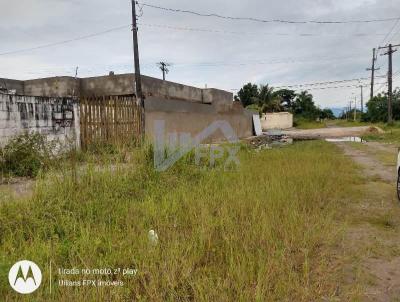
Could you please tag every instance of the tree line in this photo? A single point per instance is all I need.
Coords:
(265, 98)
(377, 108)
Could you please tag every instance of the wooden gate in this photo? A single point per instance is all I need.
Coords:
(110, 120)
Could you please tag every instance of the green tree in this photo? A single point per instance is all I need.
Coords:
(248, 95)
(266, 94)
(377, 109)
(327, 114)
(304, 106)
(286, 97)
(268, 101)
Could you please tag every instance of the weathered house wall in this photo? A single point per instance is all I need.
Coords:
(8, 84)
(192, 118)
(184, 108)
(57, 118)
(122, 84)
(52, 87)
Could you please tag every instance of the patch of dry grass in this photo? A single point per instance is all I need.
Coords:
(266, 232)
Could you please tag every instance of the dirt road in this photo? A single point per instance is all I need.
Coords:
(367, 156)
(329, 132)
(372, 240)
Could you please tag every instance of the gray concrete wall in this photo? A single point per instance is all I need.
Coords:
(9, 84)
(123, 84)
(52, 87)
(107, 85)
(184, 108)
(278, 120)
(56, 118)
(192, 118)
(169, 90)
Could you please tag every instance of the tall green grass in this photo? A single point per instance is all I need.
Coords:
(261, 233)
(302, 123)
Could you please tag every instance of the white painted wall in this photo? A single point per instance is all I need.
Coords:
(56, 118)
(279, 120)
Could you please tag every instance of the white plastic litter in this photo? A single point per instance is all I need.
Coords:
(153, 237)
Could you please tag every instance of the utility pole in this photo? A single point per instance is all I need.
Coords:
(138, 80)
(164, 68)
(362, 99)
(355, 108)
(373, 69)
(390, 78)
(350, 109)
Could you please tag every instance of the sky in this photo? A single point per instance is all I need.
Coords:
(205, 51)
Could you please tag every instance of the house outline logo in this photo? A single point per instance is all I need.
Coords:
(183, 143)
(25, 277)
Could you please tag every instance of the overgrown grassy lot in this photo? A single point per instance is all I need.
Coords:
(266, 232)
(301, 123)
(391, 135)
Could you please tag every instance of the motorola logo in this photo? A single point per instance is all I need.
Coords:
(25, 277)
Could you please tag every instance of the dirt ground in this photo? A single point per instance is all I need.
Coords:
(16, 188)
(330, 132)
(372, 240)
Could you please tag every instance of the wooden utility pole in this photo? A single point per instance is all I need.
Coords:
(373, 69)
(390, 78)
(164, 68)
(362, 99)
(350, 110)
(138, 80)
(355, 108)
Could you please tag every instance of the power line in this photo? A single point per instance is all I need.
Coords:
(281, 60)
(381, 87)
(333, 87)
(264, 20)
(207, 30)
(388, 34)
(172, 28)
(65, 41)
(261, 62)
(323, 83)
(321, 88)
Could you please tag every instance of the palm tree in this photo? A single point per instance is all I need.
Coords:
(266, 94)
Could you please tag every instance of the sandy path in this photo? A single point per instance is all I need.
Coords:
(371, 166)
(327, 132)
(372, 240)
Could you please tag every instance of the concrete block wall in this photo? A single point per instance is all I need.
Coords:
(9, 84)
(184, 108)
(56, 118)
(192, 118)
(52, 87)
(279, 120)
(122, 84)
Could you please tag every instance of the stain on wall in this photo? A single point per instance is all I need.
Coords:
(57, 118)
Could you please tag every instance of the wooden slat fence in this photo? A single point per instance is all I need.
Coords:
(112, 120)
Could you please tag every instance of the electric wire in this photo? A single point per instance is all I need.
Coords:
(264, 20)
(65, 41)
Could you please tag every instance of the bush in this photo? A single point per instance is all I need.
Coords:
(25, 155)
